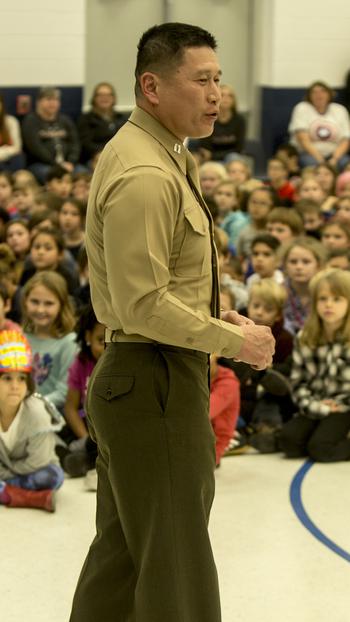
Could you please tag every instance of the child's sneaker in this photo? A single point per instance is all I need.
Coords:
(237, 445)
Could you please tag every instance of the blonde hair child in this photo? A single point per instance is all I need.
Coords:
(301, 260)
(321, 374)
(48, 322)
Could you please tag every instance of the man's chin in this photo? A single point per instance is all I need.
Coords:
(203, 134)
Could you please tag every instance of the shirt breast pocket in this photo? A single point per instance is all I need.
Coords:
(194, 259)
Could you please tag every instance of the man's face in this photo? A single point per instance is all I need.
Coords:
(187, 100)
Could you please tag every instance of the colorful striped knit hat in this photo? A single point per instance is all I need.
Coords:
(15, 352)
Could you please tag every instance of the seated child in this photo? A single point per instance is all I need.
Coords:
(290, 156)
(81, 186)
(284, 224)
(72, 224)
(24, 199)
(90, 338)
(8, 279)
(231, 275)
(312, 217)
(335, 235)
(339, 258)
(277, 173)
(224, 405)
(320, 375)
(301, 260)
(44, 201)
(59, 182)
(265, 394)
(6, 193)
(210, 174)
(5, 307)
(311, 188)
(239, 171)
(326, 175)
(48, 323)
(82, 295)
(29, 469)
(231, 219)
(342, 210)
(18, 239)
(264, 260)
(260, 203)
(46, 219)
(47, 253)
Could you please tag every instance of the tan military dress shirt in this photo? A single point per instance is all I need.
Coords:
(149, 242)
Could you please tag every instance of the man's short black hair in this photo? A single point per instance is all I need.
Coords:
(162, 47)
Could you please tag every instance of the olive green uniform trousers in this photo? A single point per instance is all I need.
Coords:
(151, 560)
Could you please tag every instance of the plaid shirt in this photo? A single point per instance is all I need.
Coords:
(318, 374)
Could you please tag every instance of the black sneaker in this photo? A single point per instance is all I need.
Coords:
(265, 439)
(77, 463)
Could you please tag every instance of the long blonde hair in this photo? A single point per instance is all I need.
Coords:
(338, 281)
(55, 283)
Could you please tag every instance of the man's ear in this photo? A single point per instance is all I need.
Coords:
(149, 86)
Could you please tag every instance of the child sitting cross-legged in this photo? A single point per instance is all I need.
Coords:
(29, 467)
(265, 395)
(321, 375)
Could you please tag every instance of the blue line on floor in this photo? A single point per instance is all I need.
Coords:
(298, 507)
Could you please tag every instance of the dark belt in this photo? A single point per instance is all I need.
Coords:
(117, 336)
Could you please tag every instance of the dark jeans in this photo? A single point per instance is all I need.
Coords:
(151, 560)
(305, 159)
(323, 440)
(49, 477)
(13, 164)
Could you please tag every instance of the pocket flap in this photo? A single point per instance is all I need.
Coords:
(110, 387)
(197, 219)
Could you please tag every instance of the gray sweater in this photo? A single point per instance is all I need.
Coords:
(35, 442)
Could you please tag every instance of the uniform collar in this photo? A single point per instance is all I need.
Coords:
(171, 143)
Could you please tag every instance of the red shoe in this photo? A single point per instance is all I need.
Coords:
(22, 498)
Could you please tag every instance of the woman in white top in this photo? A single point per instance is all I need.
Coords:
(11, 157)
(320, 128)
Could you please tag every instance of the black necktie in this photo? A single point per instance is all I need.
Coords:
(215, 296)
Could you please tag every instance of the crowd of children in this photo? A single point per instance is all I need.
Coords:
(284, 255)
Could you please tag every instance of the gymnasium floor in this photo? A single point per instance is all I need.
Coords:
(274, 566)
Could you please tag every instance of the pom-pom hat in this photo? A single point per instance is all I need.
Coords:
(15, 352)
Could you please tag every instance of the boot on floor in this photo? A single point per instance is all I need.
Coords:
(22, 498)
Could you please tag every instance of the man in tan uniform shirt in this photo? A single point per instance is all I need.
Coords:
(153, 278)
